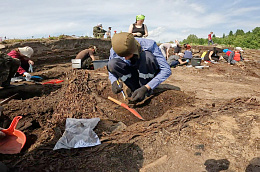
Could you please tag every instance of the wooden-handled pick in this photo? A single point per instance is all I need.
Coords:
(133, 111)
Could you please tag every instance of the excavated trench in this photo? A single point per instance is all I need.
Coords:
(83, 94)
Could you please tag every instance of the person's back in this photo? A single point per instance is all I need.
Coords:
(87, 56)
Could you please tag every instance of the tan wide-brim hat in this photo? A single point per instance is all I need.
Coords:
(124, 44)
(26, 51)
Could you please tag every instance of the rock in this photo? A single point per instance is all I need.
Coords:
(213, 165)
(254, 165)
(118, 127)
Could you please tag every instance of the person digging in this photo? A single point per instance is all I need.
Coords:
(87, 56)
(139, 63)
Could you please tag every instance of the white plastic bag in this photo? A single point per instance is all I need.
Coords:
(78, 133)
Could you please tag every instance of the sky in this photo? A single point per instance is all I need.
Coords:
(166, 20)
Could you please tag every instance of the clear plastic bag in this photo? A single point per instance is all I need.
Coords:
(78, 133)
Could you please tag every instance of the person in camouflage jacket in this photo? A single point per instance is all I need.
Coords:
(98, 32)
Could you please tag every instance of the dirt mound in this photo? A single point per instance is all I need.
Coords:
(83, 94)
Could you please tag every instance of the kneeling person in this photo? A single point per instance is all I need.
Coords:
(139, 63)
(87, 56)
(8, 68)
(175, 60)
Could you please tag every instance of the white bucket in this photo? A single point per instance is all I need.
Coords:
(76, 63)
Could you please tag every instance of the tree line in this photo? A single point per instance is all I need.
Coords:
(250, 39)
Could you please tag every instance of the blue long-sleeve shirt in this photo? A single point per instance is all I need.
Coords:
(151, 46)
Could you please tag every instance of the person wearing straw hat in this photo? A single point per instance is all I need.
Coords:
(139, 29)
(23, 54)
(139, 63)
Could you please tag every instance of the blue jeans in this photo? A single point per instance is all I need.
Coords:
(210, 41)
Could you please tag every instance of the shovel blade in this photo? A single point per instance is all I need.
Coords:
(12, 144)
(133, 111)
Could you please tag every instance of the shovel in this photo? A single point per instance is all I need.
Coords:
(14, 140)
(133, 111)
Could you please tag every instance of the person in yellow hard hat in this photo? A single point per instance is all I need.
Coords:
(139, 29)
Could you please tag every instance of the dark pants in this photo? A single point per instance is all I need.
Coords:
(210, 41)
(177, 49)
(216, 58)
(174, 63)
(9, 70)
(138, 74)
(231, 61)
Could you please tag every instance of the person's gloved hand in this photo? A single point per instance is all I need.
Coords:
(117, 88)
(139, 94)
(138, 34)
(27, 76)
(187, 60)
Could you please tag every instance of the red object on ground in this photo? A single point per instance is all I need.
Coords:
(54, 81)
(133, 111)
(14, 140)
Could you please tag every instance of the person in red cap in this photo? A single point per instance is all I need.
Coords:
(187, 52)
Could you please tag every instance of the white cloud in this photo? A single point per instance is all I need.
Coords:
(166, 20)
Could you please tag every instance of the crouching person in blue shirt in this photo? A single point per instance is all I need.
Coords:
(139, 63)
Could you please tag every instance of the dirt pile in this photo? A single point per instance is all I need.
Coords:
(83, 94)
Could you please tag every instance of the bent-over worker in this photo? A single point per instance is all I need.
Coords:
(139, 63)
(23, 54)
(87, 56)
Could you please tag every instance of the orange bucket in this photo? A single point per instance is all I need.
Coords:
(14, 140)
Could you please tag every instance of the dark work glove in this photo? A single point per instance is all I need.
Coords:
(117, 88)
(139, 94)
